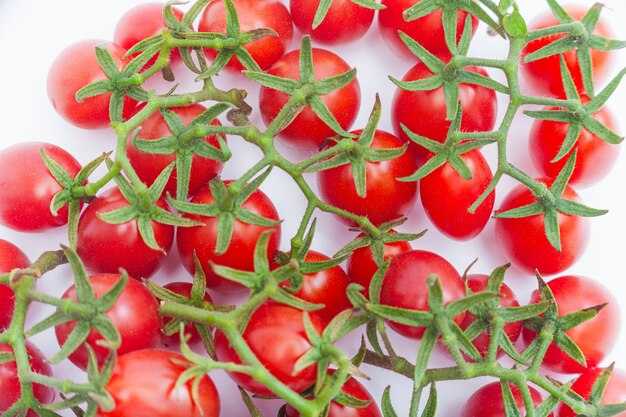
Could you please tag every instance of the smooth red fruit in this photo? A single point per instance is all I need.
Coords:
(106, 247)
(405, 285)
(614, 393)
(596, 337)
(523, 240)
(253, 14)
(488, 402)
(148, 166)
(11, 257)
(184, 289)
(307, 131)
(143, 384)
(275, 334)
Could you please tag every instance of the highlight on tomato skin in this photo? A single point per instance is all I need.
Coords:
(614, 393)
(487, 401)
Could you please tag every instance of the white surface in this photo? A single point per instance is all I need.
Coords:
(34, 33)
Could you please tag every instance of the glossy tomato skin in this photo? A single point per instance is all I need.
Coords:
(240, 253)
(404, 285)
(135, 314)
(615, 391)
(344, 22)
(446, 197)
(596, 337)
(479, 109)
(10, 384)
(523, 240)
(27, 187)
(11, 257)
(148, 166)
(488, 402)
(75, 67)
(427, 30)
(386, 198)
(594, 158)
(544, 75)
(276, 335)
(307, 131)
(143, 385)
(105, 247)
(253, 14)
(184, 289)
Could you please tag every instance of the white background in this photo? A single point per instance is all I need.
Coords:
(33, 33)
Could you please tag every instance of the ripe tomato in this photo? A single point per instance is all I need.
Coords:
(184, 289)
(307, 131)
(427, 30)
(404, 285)
(595, 337)
(106, 247)
(27, 187)
(141, 22)
(544, 75)
(479, 109)
(143, 384)
(345, 21)
(11, 257)
(240, 253)
(10, 384)
(447, 196)
(614, 393)
(488, 402)
(75, 67)
(148, 166)
(253, 14)
(523, 240)
(275, 334)
(362, 267)
(594, 159)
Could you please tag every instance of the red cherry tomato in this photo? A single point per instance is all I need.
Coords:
(544, 75)
(427, 30)
(404, 285)
(10, 384)
(275, 334)
(523, 240)
(307, 131)
(11, 257)
(75, 67)
(488, 402)
(144, 384)
(253, 14)
(595, 337)
(184, 289)
(27, 187)
(615, 391)
(106, 247)
(148, 166)
(345, 21)
(447, 196)
(594, 158)
(240, 253)
(479, 109)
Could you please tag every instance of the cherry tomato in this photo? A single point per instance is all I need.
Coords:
(240, 253)
(427, 30)
(27, 187)
(595, 337)
(106, 247)
(479, 109)
(594, 158)
(488, 402)
(404, 285)
(345, 21)
(307, 131)
(447, 196)
(362, 267)
(148, 166)
(253, 14)
(275, 334)
(615, 391)
(11, 257)
(75, 67)
(10, 384)
(184, 289)
(523, 240)
(544, 75)
(143, 384)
